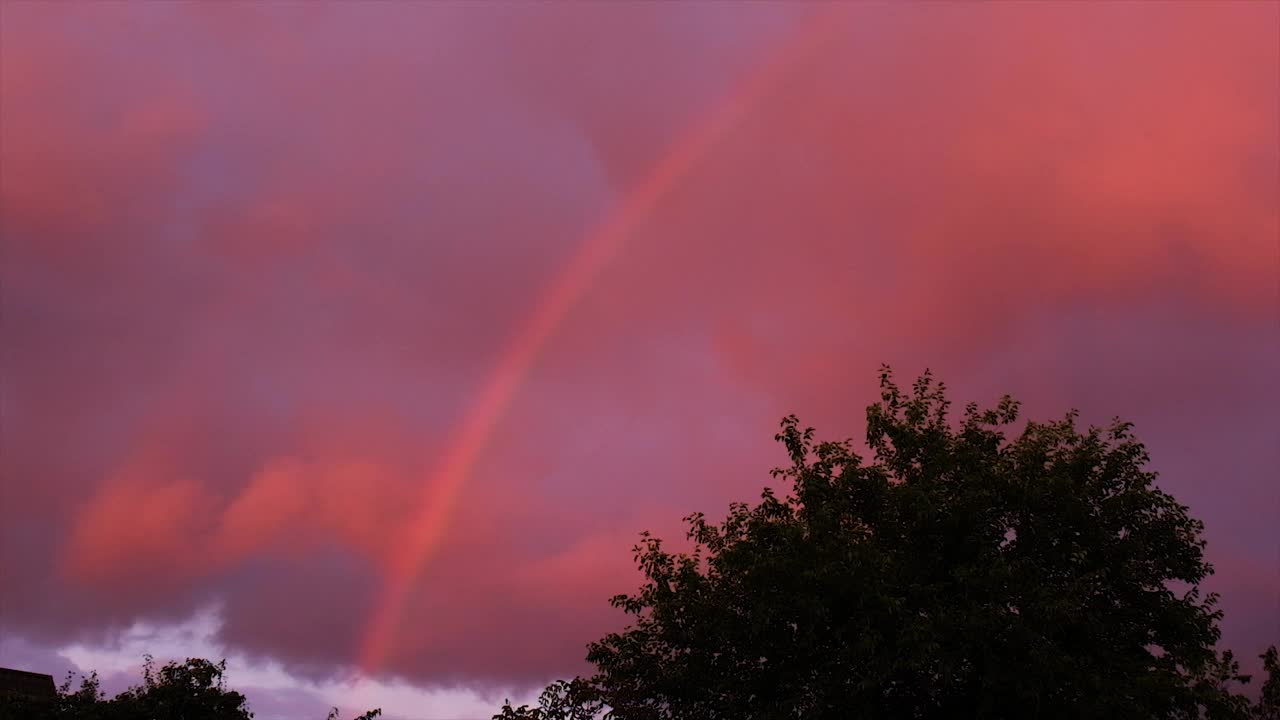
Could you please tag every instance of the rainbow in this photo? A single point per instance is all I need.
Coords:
(430, 521)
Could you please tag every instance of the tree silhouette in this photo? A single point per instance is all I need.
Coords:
(964, 570)
(194, 689)
(189, 690)
(1268, 707)
(563, 700)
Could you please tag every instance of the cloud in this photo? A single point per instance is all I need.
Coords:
(258, 261)
(272, 692)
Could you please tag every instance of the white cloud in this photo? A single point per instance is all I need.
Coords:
(198, 637)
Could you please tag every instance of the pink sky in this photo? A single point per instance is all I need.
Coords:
(304, 303)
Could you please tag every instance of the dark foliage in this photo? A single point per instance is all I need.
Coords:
(1268, 707)
(190, 690)
(563, 700)
(964, 571)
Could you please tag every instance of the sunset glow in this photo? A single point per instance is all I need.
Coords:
(359, 341)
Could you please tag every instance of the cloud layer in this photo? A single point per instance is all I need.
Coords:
(260, 260)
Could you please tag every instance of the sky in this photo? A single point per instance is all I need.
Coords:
(357, 342)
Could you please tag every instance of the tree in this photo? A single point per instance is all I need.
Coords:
(563, 700)
(370, 715)
(1268, 707)
(83, 702)
(964, 570)
(194, 689)
(190, 690)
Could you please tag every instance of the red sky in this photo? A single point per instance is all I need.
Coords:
(302, 306)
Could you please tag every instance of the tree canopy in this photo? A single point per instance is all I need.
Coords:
(190, 690)
(969, 567)
(194, 689)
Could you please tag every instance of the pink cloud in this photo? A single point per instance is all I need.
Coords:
(258, 263)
